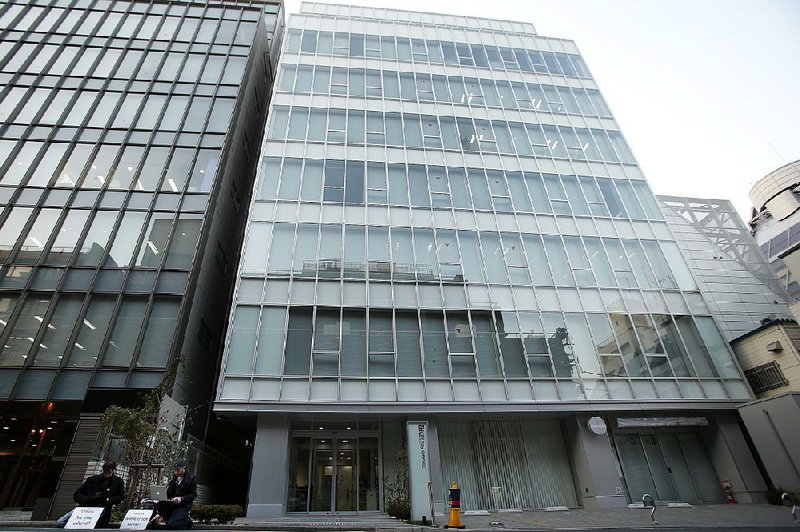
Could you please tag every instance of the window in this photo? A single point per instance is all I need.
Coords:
(54, 343)
(312, 181)
(341, 44)
(375, 128)
(158, 333)
(94, 245)
(270, 341)
(373, 46)
(388, 49)
(305, 253)
(184, 239)
(440, 192)
(339, 81)
(334, 182)
(298, 122)
(430, 130)
(434, 344)
(67, 237)
(17, 345)
(376, 183)
(126, 239)
(92, 331)
(37, 237)
(336, 125)
(322, 80)
(424, 87)
(581, 267)
(355, 127)
(381, 344)
(354, 183)
(326, 343)
(325, 42)
(309, 42)
(766, 377)
(373, 81)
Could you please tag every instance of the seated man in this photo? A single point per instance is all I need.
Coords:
(181, 493)
(104, 490)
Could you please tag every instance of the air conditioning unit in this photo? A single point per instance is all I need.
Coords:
(774, 347)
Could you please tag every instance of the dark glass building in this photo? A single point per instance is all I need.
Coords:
(129, 136)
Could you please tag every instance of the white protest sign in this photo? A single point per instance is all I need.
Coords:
(84, 517)
(136, 520)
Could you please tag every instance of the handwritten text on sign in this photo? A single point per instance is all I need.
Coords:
(136, 520)
(84, 517)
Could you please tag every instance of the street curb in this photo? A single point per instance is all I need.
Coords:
(273, 527)
(28, 524)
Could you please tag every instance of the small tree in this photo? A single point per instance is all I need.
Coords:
(146, 451)
(396, 488)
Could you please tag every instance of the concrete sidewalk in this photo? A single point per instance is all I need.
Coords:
(740, 517)
(719, 516)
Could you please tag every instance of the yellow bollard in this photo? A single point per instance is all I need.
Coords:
(454, 500)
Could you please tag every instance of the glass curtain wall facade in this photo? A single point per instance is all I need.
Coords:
(736, 281)
(447, 218)
(116, 125)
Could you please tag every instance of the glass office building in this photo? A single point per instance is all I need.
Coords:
(448, 226)
(128, 143)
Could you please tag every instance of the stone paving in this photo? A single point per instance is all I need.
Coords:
(14, 515)
(718, 516)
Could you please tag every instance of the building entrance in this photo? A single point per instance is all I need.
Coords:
(333, 472)
(670, 466)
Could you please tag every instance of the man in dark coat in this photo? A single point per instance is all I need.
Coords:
(105, 490)
(181, 493)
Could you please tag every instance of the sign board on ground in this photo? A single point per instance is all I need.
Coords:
(136, 520)
(84, 517)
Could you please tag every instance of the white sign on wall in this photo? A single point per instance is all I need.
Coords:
(136, 520)
(84, 517)
(419, 471)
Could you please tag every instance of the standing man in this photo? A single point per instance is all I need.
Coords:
(104, 490)
(181, 492)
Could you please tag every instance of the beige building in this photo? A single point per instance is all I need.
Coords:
(769, 357)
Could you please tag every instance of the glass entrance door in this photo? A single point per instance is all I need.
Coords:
(345, 476)
(322, 475)
(334, 474)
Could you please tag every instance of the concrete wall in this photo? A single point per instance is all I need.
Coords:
(594, 465)
(732, 458)
(269, 469)
(774, 427)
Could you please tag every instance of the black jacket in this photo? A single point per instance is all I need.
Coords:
(186, 490)
(100, 491)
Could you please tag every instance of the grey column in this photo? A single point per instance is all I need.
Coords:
(733, 460)
(270, 467)
(594, 464)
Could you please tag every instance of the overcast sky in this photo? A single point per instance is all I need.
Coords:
(707, 92)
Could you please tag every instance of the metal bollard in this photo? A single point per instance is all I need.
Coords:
(788, 500)
(649, 502)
